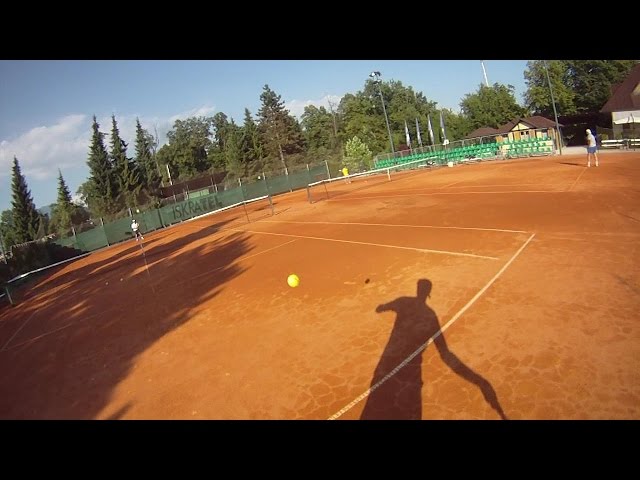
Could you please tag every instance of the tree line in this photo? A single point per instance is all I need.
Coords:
(348, 133)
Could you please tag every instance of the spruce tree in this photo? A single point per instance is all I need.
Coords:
(145, 161)
(26, 219)
(233, 151)
(127, 176)
(63, 209)
(101, 185)
(252, 151)
(281, 133)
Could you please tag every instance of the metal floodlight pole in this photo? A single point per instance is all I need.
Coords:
(376, 79)
(555, 113)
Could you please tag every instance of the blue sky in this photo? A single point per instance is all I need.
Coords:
(47, 106)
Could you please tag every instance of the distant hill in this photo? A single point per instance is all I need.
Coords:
(46, 210)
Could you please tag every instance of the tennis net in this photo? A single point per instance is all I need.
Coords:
(325, 189)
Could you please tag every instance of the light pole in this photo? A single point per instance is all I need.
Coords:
(555, 113)
(376, 79)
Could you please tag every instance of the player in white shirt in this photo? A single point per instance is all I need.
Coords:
(136, 230)
(591, 148)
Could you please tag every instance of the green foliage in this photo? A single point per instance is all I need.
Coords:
(358, 157)
(359, 118)
(101, 187)
(62, 212)
(362, 114)
(25, 217)
(592, 81)
(127, 176)
(280, 133)
(6, 229)
(145, 160)
(221, 129)
(538, 95)
(188, 147)
(317, 125)
(491, 106)
(579, 86)
(233, 151)
(458, 126)
(250, 145)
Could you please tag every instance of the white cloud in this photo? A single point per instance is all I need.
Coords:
(77, 199)
(296, 107)
(194, 112)
(65, 144)
(42, 150)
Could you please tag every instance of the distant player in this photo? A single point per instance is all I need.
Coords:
(135, 228)
(345, 173)
(591, 148)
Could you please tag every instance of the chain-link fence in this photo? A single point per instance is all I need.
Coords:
(228, 192)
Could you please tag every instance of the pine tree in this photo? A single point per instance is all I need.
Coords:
(145, 161)
(233, 151)
(281, 133)
(26, 219)
(127, 176)
(101, 185)
(63, 210)
(251, 148)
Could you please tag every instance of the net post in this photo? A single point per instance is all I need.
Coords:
(6, 289)
(309, 193)
(104, 231)
(244, 201)
(245, 210)
(325, 189)
(270, 204)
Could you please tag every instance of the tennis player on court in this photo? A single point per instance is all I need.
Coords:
(345, 173)
(591, 148)
(135, 228)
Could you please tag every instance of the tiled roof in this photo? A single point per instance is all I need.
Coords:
(624, 98)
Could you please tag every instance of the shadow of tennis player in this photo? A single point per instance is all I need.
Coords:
(396, 388)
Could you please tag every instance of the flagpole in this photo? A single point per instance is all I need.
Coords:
(376, 77)
(484, 72)
(555, 113)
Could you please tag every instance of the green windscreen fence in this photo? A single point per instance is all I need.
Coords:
(92, 236)
(92, 239)
(255, 189)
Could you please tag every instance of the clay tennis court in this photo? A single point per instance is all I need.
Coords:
(506, 289)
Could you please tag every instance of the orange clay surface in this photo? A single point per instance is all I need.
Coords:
(521, 277)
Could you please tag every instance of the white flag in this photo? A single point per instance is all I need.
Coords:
(418, 132)
(433, 138)
(406, 134)
(444, 132)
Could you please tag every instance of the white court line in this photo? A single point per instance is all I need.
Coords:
(80, 320)
(425, 250)
(342, 199)
(208, 272)
(45, 334)
(397, 225)
(574, 183)
(16, 332)
(404, 190)
(361, 397)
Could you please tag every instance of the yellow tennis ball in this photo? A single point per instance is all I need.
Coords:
(293, 280)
